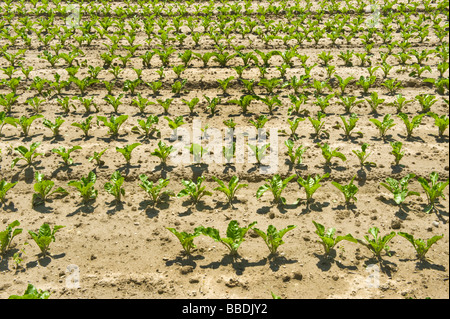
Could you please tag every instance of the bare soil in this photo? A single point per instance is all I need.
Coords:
(125, 251)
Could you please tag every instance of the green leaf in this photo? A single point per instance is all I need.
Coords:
(32, 293)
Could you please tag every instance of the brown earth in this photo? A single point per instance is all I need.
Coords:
(125, 251)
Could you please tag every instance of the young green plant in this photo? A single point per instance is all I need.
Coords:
(32, 293)
(127, 150)
(349, 191)
(65, 154)
(363, 155)
(410, 124)
(383, 126)
(147, 127)
(433, 189)
(43, 190)
(97, 157)
(8, 235)
(420, 245)
(44, 237)
(328, 238)
(113, 123)
(186, 239)
(397, 151)
(28, 155)
(295, 155)
(85, 187)
(259, 151)
(276, 185)
(194, 190)
(328, 153)
(234, 235)
(229, 189)
(377, 244)
(399, 188)
(349, 126)
(441, 122)
(311, 185)
(163, 151)
(273, 238)
(4, 188)
(114, 186)
(155, 190)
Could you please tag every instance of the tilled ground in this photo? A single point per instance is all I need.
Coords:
(125, 250)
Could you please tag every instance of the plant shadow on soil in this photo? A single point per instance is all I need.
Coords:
(126, 168)
(150, 210)
(64, 168)
(54, 139)
(386, 266)
(425, 264)
(296, 167)
(412, 138)
(351, 207)
(362, 175)
(114, 207)
(184, 260)
(396, 169)
(44, 261)
(199, 206)
(314, 206)
(29, 138)
(83, 138)
(198, 170)
(224, 204)
(403, 210)
(164, 168)
(4, 259)
(276, 261)
(146, 140)
(282, 209)
(29, 173)
(9, 207)
(442, 139)
(388, 138)
(44, 209)
(352, 139)
(333, 167)
(228, 168)
(326, 261)
(108, 140)
(84, 209)
(239, 264)
(440, 213)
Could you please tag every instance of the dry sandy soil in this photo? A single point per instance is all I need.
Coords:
(125, 250)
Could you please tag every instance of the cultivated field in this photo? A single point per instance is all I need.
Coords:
(326, 80)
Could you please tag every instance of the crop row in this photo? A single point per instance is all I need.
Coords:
(373, 241)
(390, 53)
(235, 236)
(316, 62)
(302, 86)
(148, 127)
(165, 51)
(226, 7)
(219, 16)
(195, 191)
